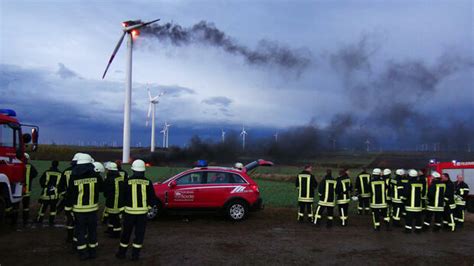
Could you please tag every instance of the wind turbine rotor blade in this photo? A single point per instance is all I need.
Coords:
(149, 22)
(154, 98)
(149, 110)
(149, 95)
(117, 47)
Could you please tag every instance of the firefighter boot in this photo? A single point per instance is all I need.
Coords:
(122, 253)
(92, 253)
(135, 253)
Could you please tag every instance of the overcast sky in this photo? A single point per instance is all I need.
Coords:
(53, 54)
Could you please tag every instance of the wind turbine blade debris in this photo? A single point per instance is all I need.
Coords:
(117, 47)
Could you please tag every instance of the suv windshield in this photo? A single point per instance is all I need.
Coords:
(9, 135)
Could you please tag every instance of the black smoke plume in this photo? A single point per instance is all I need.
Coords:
(204, 33)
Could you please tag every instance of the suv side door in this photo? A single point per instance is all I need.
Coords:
(186, 192)
(218, 187)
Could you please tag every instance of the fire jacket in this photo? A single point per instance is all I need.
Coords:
(84, 187)
(139, 195)
(436, 194)
(30, 174)
(378, 192)
(49, 182)
(362, 185)
(462, 190)
(343, 189)
(306, 184)
(113, 192)
(413, 194)
(327, 192)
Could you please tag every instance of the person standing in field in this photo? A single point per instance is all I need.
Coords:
(306, 184)
(327, 199)
(139, 197)
(82, 197)
(378, 199)
(450, 205)
(343, 192)
(49, 182)
(413, 198)
(435, 202)
(461, 192)
(30, 174)
(362, 191)
(113, 192)
(387, 176)
(396, 191)
(66, 177)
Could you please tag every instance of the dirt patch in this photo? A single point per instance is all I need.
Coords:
(268, 237)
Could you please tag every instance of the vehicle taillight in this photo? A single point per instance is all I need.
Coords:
(254, 188)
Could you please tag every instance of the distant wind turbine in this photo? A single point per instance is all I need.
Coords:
(243, 134)
(153, 101)
(223, 135)
(165, 132)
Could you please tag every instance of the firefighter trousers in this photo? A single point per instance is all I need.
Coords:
(305, 207)
(380, 214)
(413, 217)
(397, 209)
(25, 202)
(319, 214)
(52, 204)
(438, 219)
(363, 205)
(458, 214)
(448, 219)
(86, 225)
(114, 227)
(343, 213)
(69, 226)
(137, 223)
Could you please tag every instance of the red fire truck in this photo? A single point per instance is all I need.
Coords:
(13, 144)
(455, 168)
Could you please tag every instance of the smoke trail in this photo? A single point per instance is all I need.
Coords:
(266, 53)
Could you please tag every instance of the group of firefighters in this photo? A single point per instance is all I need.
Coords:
(405, 195)
(77, 189)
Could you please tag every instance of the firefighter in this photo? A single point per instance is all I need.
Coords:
(435, 202)
(49, 182)
(82, 197)
(396, 190)
(343, 192)
(378, 199)
(450, 205)
(139, 196)
(461, 192)
(30, 174)
(362, 190)
(404, 180)
(306, 184)
(66, 177)
(413, 199)
(327, 199)
(124, 175)
(113, 192)
(387, 176)
(424, 198)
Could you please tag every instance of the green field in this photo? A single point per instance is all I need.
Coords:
(276, 183)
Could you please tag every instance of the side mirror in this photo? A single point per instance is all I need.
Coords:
(172, 184)
(26, 138)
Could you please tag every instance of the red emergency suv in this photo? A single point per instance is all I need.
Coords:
(211, 188)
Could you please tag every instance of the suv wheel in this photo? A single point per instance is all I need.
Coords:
(154, 212)
(237, 210)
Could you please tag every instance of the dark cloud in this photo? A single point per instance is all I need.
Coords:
(65, 72)
(218, 100)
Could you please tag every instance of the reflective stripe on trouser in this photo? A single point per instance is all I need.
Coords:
(343, 213)
(86, 228)
(131, 222)
(363, 204)
(448, 218)
(396, 211)
(319, 213)
(114, 222)
(379, 213)
(438, 217)
(305, 206)
(413, 217)
(459, 213)
(52, 204)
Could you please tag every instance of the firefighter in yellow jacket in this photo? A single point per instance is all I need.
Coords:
(327, 199)
(306, 184)
(30, 174)
(460, 196)
(343, 191)
(113, 192)
(362, 191)
(435, 202)
(413, 198)
(396, 191)
(378, 199)
(49, 182)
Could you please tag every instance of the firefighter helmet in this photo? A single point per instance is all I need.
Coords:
(76, 157)
(412, 173)
(435, 174)
(84, 158)
(138, 166)
(386, 171)
(239, 166)
(400, 172)
(376, 171)
(27, 156)
(98, 167)
(111, 166)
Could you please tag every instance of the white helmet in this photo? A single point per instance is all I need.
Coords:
(400, 172)
(27, 156)
(435, 174)
(84, 158)
(76, 157)
(111, 166)
(138, 166)
(412, 173)
(386, 171)
(239, 166)
(377, 171)
(98, 167)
